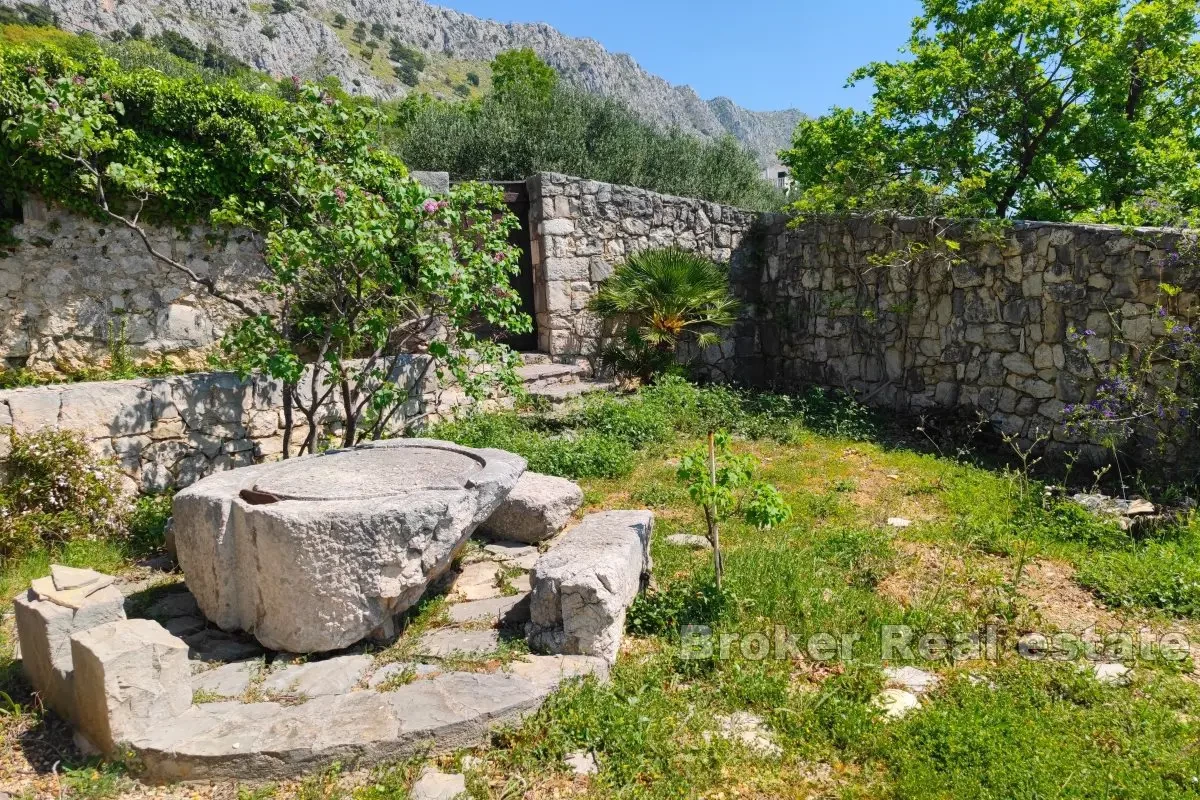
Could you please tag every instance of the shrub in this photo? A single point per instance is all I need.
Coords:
(633, 420)
(57, 490)
(663, 298)
(588, 455)
(339, 20)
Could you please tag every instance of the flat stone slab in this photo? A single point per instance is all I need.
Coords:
(537, 508)
(389, 671)
(447, 642)
(318, 679)
(435, 785)
(514, 553)
(230, 680)
(502, 611)
(317, 553)
(688, 540)
(270, 741)
(584, 585)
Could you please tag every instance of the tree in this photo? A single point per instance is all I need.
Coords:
(521, 131)
(663, 297)
(722, 484)
(364, 266)
(339, 20)
(360, 32)
(1047, 109)
(377, 30)
(522, 72)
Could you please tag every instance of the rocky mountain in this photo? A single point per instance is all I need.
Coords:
(314, 38)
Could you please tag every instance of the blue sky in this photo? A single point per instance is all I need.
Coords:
(765, 54)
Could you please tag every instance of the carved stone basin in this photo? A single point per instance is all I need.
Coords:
(316, 553)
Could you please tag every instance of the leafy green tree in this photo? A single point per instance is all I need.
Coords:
(1047, 109)
(722, 484)
(364, 267)
(662, 298)
(521, 130)
(377, 30)
(339, 20)
(522, 72)
(360, 32)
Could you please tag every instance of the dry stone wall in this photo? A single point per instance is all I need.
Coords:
(170, 432)
(583, 229)
(823, 302)
(73, 284)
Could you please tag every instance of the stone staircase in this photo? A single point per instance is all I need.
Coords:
(559, 381)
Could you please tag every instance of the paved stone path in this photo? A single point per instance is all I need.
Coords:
(274, 715)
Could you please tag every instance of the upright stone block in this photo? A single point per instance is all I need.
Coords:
(130, 676)
(584, 585)
(45, 628)
(538, 507)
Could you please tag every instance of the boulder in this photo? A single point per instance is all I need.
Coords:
(537, 508)
(130, 676)
(314, 554)
(584, 585)
(45, 627)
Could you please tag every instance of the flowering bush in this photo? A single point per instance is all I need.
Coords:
(57, 490)
(364, 266)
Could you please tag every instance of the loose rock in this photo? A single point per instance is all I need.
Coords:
(1112, 674)
(582, 762)
(917, 681)
(435, 785)
(583, 586)
(896, 703)
(537, 508)
(750, 731)
(689, 540)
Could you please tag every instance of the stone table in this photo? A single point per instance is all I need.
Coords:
(314, 554)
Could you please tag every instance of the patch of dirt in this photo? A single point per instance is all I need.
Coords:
(884, 492)
(1063, 604)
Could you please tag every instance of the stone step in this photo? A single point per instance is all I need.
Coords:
(548, 373)
(269, 741)
(557, 393)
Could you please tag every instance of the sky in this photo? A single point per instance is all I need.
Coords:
(765, 54)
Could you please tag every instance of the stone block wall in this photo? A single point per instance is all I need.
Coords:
(73, 283)
(170, 432)
(987, 327)
(582, 229)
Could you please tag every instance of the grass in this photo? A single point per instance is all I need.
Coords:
(986, 551)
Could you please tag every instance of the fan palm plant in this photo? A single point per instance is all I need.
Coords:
(665, 297)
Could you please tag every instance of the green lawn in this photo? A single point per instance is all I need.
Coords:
(984, 551)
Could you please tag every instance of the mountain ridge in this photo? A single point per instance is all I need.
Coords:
(302, 39)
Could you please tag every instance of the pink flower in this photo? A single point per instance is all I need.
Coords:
(295, 81)
(499, 257)
(340, 194)
(431, 206)
(443, 204)
(327, 98)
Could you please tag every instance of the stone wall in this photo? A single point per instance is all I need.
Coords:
(169, 432)
(986, 327)
(583, 229)
(72, 284)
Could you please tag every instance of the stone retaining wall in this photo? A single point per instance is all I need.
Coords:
(73, 284)
(170, 432)
(986, 327)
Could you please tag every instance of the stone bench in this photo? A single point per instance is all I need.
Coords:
(584, 585)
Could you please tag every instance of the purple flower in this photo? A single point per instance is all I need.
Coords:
(431, 206)
(1089, 332)
(79, 80)
(1162, 312)
(327, 98)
